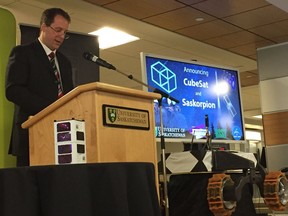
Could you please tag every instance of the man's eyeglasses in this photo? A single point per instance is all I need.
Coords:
(60, 31)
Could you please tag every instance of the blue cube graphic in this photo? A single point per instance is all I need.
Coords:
(163, 77)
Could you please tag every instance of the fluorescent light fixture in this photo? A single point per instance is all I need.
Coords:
(258, 116)
(253, 135)
(109, 37)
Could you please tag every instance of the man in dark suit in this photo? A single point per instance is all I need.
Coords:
(31, 83)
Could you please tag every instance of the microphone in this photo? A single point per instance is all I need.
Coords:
(208, 136)
(91, 57)
(165, 95)
(207, 126)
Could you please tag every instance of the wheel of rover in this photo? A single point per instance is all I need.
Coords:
(276, 191)
(217, 204)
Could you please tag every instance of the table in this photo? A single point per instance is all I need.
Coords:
(122, 189)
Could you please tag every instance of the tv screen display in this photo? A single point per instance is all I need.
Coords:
(208, 100)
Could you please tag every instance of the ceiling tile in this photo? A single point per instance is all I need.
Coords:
(144, 8)
(250, 48)
(209, 30)
(253, 57)
(224, 8)
(234, 39)
(99, 2)
(281, 39)
(190, 2)
(272, 31)
(258, 17)
(178, 19)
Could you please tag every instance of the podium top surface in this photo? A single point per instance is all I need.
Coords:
(95, 86)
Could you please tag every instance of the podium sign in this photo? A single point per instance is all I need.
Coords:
(115, 116)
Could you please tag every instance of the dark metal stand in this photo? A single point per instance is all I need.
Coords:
(163, 94)
(162, 141)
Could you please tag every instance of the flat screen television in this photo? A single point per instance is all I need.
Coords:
(209, 100)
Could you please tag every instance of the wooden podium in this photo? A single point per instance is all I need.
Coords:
(128, 138)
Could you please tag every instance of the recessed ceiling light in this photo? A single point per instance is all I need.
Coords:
(109, 37)
(199, 19)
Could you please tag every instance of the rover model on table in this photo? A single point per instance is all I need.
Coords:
(223, 193)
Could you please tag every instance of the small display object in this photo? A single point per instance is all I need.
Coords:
(70, 142)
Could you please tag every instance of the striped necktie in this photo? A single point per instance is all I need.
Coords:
(57, 74)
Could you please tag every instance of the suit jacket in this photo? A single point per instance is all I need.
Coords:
(31, 85)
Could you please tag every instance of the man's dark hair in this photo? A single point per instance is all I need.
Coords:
(49, 14)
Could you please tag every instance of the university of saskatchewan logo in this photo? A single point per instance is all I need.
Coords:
(112, 114)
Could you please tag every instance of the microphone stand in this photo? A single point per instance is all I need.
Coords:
(163, 94)
(208, 135)
(162, 141)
